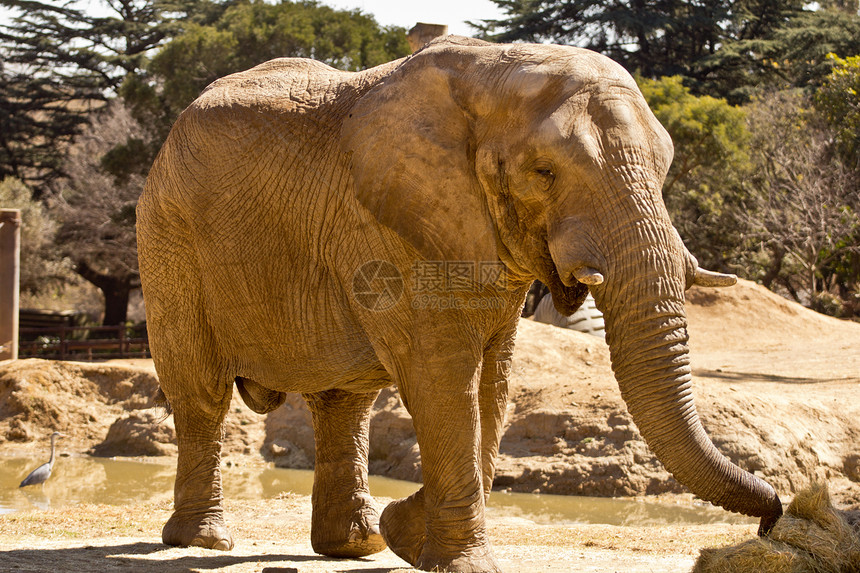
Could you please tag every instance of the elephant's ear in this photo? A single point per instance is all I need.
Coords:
(412, 160)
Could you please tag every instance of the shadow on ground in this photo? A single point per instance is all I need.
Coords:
(146, 557)
(756, 377)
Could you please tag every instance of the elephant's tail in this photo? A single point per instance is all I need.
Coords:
(163, 404)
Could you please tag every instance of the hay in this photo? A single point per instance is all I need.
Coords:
(812, 537)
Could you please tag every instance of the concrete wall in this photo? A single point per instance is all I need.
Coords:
(10, 243)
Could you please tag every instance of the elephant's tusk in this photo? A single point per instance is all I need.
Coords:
(708, 278)
(588, 276)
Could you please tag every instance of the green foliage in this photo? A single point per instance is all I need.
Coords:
(759, 190)
(252, 31)
(90, 49)
(654, 37)
(711, 160)
(62, 61)
(725, 48)
(839, 101)
(127, 159)
(34, 129)
(791, 55)
(192, 61)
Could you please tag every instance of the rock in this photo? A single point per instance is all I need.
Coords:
(139, 433)
(18, 431)
(285, 454)
(290, 435)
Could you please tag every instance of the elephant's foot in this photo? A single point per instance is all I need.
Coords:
(338, 533)
(404, 528)
(477, 560)
(198, 530)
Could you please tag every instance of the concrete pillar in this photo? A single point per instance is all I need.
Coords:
(10, 259)
(422, 33)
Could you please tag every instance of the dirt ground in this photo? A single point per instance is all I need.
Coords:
(274, 536)
(777, 387)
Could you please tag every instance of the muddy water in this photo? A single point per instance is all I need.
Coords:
(80, 479)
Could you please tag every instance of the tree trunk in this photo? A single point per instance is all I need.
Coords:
(116, 292)
(116, 305)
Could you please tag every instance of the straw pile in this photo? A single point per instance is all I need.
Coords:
(811, 537)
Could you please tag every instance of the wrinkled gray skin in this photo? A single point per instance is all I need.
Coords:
(279, 183)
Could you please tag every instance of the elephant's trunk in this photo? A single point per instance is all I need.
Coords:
(651, 363)
(642, 298)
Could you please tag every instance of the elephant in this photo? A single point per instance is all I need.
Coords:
(331, 233)
(586, 318)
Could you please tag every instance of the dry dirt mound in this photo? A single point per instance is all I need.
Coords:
(748, 333)
(139, 433)
(81, 400)
(107, 409)
(776, 385)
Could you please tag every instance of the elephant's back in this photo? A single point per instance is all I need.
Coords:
(282, 84)
(279, 121)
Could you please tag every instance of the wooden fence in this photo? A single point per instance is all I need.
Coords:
(83, 342)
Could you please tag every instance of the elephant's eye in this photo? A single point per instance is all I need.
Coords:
(546, 174)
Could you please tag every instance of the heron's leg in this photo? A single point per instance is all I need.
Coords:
(345, 523)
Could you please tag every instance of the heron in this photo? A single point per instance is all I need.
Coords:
(43, 472)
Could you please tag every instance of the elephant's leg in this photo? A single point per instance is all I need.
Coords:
(493, 401)
(199, 416)
(404, 526)
(199, 393)
(447, 418)
(345, 522)
(198, 518)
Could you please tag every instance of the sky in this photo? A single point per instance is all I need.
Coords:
(407, 13)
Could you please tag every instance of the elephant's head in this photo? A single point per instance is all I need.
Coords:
(548, 159)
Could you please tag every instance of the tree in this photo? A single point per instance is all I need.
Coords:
(252, 31)
(711, 160)
(803, 206)
(63, 60)
(652, 37)
(34, 128)
(96, 210)
(838, 100)
(724, 48)
(791, 55)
